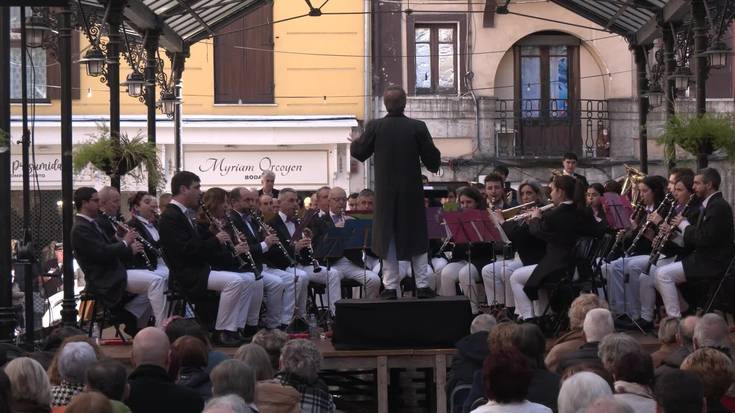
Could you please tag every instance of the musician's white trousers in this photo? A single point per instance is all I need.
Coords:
(239, 293)
(273, 287)
(647, 284)
(331, 279)
(496, 277)
(288, 298)
(623, 284)
(666, 277)
(151, 287)
(369, 279)
(525, 308)
(391, 271)
(469, 283)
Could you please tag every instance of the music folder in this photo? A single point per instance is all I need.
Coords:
(617, 210)
(358, 234)
(332, 244)
(471, 226)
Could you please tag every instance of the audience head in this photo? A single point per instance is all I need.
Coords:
(580, 390)
(712, 331)
(89, 402)
(530, 341)
(483, 322)
(714, 369)
(256, 357)
(635, 367)
(501, 336)
(233, 377)
(614, 346)
(272, 341)
(590, 367)
(151, 347)
(189, 352)
(581, 306)
(53, 369)
(5, 394)
(302, 359)
(226, 404)
(680, 391)
(597, 324)
(58, 335)
(506, 376)
(74, 359)
(667, 330)
(180, 327)
(608, 405)
(28, 381)
(685, 336)
(109, 378)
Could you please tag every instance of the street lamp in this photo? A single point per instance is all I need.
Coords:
(168, 103)
(681, 77)
(717, 55)
(655, 95)
(135, 83)
(36, 30)
(94, 60)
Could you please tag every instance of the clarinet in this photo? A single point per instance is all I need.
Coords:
(663, 236)
(268, 230)
(240, 237)
(241, 264)
(667, 200)
(309, 250)
(119, 225)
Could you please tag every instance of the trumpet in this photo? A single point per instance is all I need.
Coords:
(511, 212)
(119, 225)
(241, 238)
(525, 215)
(268, 231)
(241, 264)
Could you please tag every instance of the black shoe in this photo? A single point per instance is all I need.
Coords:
(226, 338)
(623, 322)
(130, 321)
(389, 295)
(298, 325)
(425, 292)
(644, 324)
(247, 333)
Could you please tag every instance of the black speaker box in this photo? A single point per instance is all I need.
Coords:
(404, 323)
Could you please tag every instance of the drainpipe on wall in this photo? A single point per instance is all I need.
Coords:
(367, 99)
(470, 75)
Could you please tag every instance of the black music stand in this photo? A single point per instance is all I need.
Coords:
(331, 246)
(359, 233)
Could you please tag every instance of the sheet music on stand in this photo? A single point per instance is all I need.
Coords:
(617, 210)
(471, 226)
(435, 227)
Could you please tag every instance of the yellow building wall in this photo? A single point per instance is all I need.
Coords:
(306, 81)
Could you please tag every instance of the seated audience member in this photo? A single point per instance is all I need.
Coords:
(30, 390)
(590, 368)
(633, 374)
(597, 324)
(151, 388)
(667, 331)
(179, 327)
(272, 341)
(580, 390)
(53, 343)
(679, 391)
(5, 396)
(53, 369)
(507, 375)
(608, 405)
(109, 378)
(89, 402)
(613, 347)
(712, 331)
(685, 339)
(255, 357)
(190, 355)
(235, 377)
(715, 370)
(544, 387)
(300, 365)
(471, 352)
(230, 403)
(573, 339)
(73, 361)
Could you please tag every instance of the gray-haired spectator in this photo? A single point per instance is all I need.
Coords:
(74, 359)
(580, 390)
(230, 403)
(30, 389)
(254, 356)
(679, 391)
(667, 332)
(272, 341)
(234, 377)
(685, 339)
(471, 352)
(268, 179)
(109, 378)
(614, 346)
(573, 339)
(608, 405)
(300, 365)
(598, 323)
(712, 331)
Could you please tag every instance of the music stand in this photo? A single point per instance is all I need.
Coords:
(331, 247)
(359, 233)
(617, 210)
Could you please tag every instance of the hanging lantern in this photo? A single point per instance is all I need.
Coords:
(36, 30)
(655, 95)
(135, 83)
(681, 78)
(717, 55)
(94, 60)
(168, 103)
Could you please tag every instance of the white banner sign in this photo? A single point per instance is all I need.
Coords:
(245, 167)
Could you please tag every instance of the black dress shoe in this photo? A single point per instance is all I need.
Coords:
(389, 295)
(644, 324)
(425, 292)
(226, 338)
(247, 333)
(298, 325)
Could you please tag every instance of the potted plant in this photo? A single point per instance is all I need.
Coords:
(116, 160)
(700, 135)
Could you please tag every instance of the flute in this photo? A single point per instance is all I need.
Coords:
(525, 215)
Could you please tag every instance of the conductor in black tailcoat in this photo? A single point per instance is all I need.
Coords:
(399, 145)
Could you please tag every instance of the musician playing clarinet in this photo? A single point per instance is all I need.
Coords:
(102, 257)
(710, 238)
(148, 270)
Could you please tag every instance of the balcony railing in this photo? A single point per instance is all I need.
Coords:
(536, 127)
